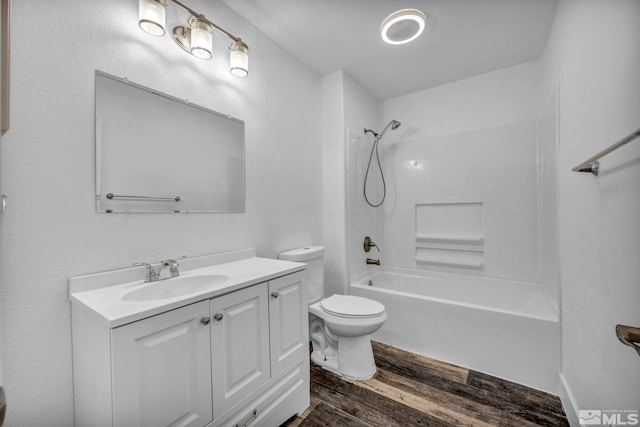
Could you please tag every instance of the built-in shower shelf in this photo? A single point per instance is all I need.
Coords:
(472, 243)
(449, 233)
(448, 238)
(451, 262)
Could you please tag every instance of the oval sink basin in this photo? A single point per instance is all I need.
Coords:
(176, 287)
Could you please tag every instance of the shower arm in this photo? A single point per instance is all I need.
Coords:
(375, 135)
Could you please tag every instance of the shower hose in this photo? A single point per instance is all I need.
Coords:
(366, 175)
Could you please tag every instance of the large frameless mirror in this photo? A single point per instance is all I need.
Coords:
(156, 153)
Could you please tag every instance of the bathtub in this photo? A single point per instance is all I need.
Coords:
(504, 328)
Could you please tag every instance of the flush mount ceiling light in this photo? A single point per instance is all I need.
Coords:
(402, 26)
(196, 37)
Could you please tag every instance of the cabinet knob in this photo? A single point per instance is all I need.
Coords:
(205, 320)
(218, 317)
(275, 294)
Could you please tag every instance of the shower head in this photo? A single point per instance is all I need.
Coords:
(393, 124)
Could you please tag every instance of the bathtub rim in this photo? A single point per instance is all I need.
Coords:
(551, 291)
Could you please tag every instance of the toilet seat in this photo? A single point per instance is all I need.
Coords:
(350, 306)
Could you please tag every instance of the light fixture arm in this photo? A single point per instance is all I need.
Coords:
(202, 17)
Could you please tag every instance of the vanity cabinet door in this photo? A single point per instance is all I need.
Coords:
(239, 345)
(288, 319)
(162, 371)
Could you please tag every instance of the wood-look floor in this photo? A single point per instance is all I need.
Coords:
(412, 390)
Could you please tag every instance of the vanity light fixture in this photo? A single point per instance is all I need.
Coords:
(151, 16)
(196, 37)
(403, 26)
(239, 58)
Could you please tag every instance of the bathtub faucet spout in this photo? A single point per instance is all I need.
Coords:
(373, 261)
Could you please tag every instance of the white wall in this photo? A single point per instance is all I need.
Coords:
(1, 221)
(493, 99)
(347, 110)
(360, 113)
(593, 54)
(334, 187)
(51, 230)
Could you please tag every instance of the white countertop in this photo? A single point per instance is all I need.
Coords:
(102, 293)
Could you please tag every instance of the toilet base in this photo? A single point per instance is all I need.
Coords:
(354, 359)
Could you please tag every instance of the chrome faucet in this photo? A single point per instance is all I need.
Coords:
(373, 261)
(168, 269)
(152, 276)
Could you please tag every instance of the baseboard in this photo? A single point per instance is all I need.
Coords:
(568, 403)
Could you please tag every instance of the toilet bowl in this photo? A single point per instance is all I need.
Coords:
(340, 325)
(341, 341)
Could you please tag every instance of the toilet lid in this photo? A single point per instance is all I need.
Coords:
(351, 306)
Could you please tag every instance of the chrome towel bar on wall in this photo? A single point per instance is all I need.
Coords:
(112, 196)
(592, 165)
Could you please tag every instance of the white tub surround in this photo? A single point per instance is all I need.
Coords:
(225, 343)
(505, 328)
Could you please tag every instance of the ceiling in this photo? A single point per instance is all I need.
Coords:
(463, 38)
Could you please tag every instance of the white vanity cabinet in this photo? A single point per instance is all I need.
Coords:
(161, 369)
(288, 321)
(240, 358)
(239, 345)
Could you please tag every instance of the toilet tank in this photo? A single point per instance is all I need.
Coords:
(312, 256)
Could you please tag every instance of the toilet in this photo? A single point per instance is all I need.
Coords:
(340, 325)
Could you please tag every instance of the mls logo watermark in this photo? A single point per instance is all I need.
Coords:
(600, 417)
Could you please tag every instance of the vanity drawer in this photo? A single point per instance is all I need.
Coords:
(283, 396)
